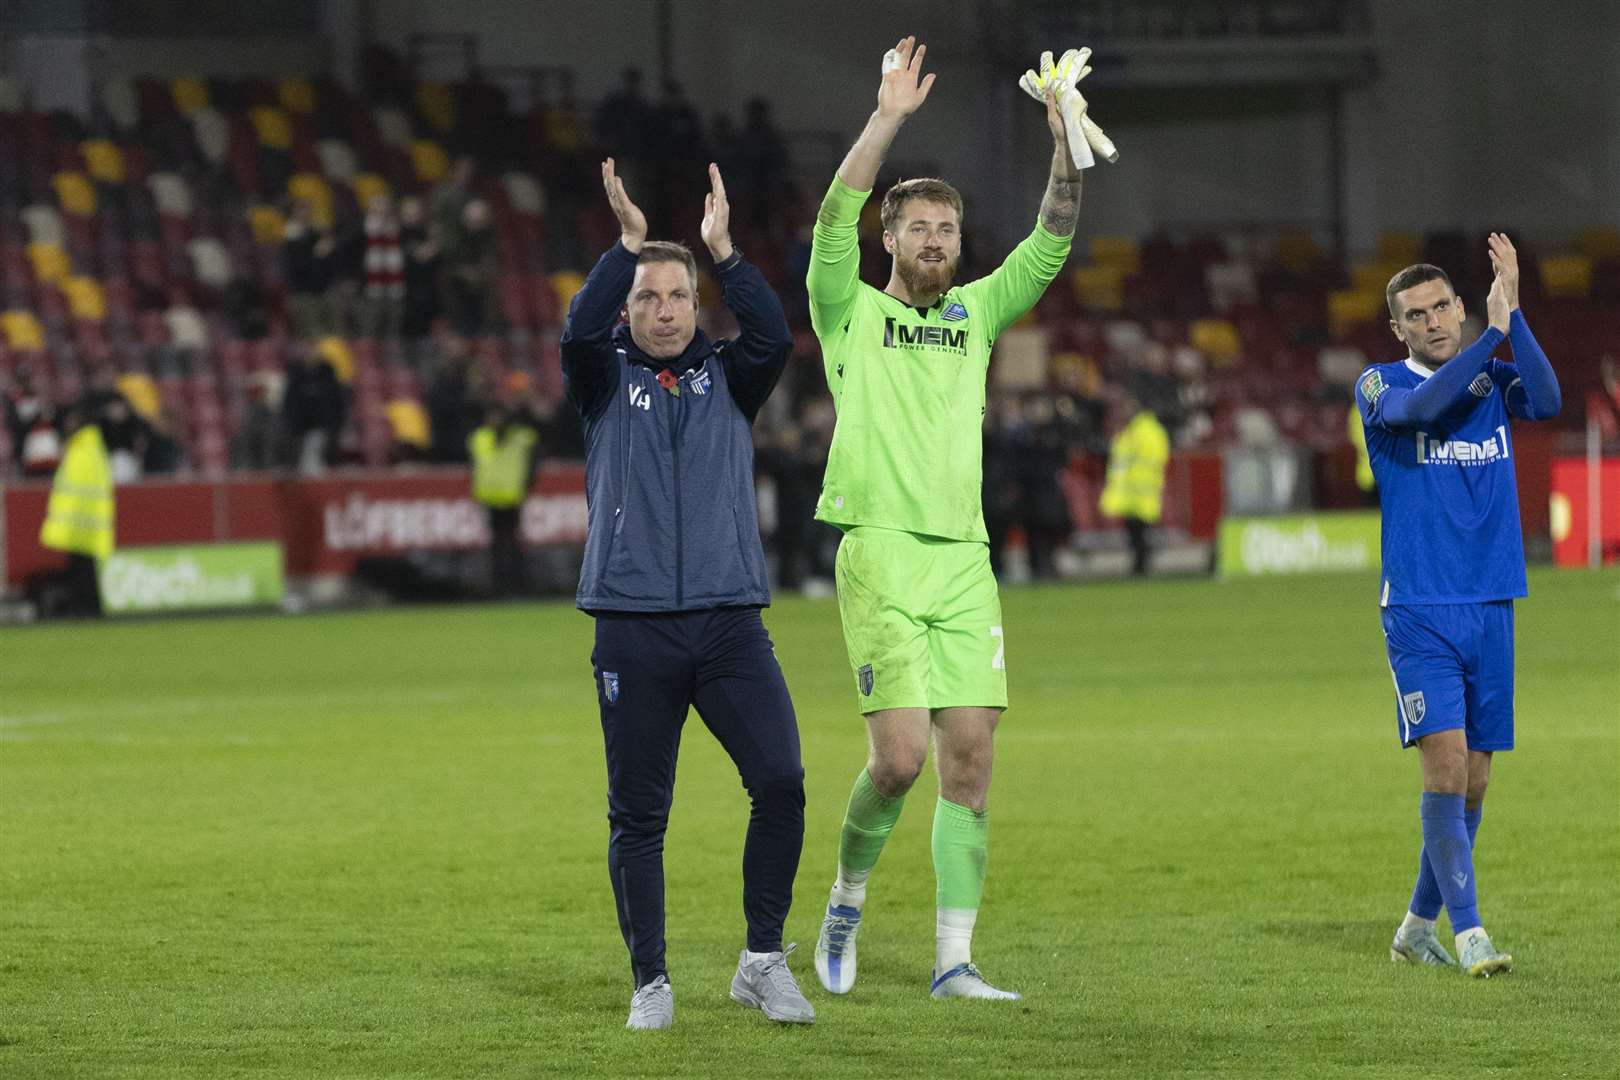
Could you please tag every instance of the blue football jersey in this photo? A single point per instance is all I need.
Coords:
(1451, 532)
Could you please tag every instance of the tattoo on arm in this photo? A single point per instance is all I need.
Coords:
(1060, 208)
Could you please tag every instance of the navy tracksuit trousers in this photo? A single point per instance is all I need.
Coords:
(650, 668)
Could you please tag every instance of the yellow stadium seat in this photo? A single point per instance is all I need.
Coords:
(1217, 339)
(368, 186)
(21, 330)
(1120, 252)
(85, 298)
(104, 160)
(1600, 243)
(428, 160)
(296, 94)
(190, 94)
(1374, 276)
(268, 224)
(1567, 277)
(141, 393)
(1405, 248)
(335, 351)
(565, 283)
(272, 127)
(437, 105)
(409, 422)
(1101, 288)
(312, 188)
(50, 263)
(75, 194)
(1352, 307)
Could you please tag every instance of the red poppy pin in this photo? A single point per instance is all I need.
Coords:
(668, 381)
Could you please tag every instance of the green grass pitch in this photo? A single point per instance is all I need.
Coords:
(372, 845)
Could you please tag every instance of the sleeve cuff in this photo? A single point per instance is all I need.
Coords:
(1050, 239)
(619, 251)
(1516, 320)
(730, 262)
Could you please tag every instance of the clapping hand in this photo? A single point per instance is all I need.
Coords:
(716, 227)
(632, 222)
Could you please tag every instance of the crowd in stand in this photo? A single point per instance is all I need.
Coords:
(377, 319)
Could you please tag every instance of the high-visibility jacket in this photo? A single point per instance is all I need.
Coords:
(79, 516)
(501, 464)
(1358, 439)
(1136, 461)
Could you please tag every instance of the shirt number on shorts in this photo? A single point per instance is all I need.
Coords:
(999, 661)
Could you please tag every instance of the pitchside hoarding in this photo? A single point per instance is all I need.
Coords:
(1298, 544)
(190, 577)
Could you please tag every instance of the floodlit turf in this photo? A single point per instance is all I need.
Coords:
(372, 845)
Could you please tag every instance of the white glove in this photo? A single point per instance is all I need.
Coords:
(1083, 133)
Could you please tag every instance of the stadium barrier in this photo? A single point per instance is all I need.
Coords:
(325, 525)
(1298, 544)
(1581, 505)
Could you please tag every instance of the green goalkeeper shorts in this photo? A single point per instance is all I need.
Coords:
(922, 621)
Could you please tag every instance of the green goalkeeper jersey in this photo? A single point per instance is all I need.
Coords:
(908, 384)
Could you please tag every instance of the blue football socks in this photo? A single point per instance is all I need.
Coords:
(1448, 852)
(1426, 898)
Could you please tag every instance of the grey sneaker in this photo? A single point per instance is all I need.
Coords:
(653, 1006)
(1479, 958)
(768, 985)
(1419, 947)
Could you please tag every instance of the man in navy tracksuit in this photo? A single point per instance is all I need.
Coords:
(675, 577)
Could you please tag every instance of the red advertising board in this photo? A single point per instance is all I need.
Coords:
(1571, 510)
(325, 524)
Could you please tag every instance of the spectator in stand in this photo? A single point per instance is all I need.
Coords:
(626, 122)
(1040, 464)
(312, 410)
(764, 160)
(380, 309)
(163, 454)
(27, 412)
(450, 198)
(419, 244)
(450, 403)
(257, 443)
(309, 265)
(471, 269)
(123, 431)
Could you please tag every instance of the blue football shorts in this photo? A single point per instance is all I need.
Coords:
(1453, 668)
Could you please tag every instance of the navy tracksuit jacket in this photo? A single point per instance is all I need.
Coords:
(675, 576)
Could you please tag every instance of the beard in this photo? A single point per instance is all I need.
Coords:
(925, 278)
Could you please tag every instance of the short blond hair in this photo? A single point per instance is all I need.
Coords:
(926, 188)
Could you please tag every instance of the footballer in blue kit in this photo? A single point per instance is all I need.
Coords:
(1438, 435)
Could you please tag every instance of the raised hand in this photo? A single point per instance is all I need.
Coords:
(1497, 309)
(1505, 264)
(716, 227)
(632, 222)
(900, 94)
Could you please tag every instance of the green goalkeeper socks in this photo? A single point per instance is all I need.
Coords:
(867, 823)
(961, 852)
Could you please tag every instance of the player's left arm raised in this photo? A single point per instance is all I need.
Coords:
(1532, 389)
(755, 360)
(1060, 206)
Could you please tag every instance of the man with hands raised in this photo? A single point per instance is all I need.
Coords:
(1453, 563)
(675, 578)
(921, 616)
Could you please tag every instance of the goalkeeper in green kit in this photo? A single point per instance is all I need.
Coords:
(921, 615)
